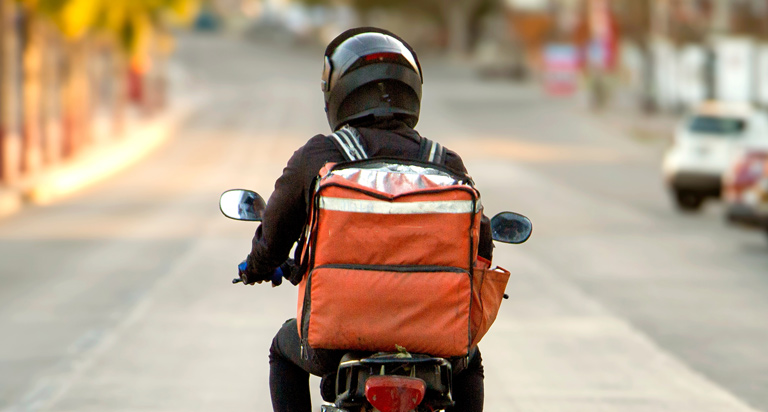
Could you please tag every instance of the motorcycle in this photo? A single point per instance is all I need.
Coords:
(386, 381)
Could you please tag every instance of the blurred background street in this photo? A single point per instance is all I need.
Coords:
(115, 263)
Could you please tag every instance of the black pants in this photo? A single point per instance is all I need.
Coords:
(289, 374)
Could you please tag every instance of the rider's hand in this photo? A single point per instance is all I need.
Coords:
(277, 277)
(247, 276)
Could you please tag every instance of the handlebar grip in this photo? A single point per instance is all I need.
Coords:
(277, 277)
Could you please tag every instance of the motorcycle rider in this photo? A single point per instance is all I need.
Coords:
(371, 81)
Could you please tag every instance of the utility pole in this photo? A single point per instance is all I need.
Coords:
(660, 19)
(721, 17)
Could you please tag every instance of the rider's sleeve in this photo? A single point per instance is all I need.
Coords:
(283, 219)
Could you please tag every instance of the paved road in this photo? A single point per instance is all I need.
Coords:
(118, 298)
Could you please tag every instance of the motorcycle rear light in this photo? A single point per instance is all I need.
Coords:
(394, 393)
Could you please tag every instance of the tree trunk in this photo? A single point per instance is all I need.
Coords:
(455, 13)
(119, 91)
(9, 136)
(161, 82)
(52, 97)
(32, 94)
(76, 99)
(458, 16)
(149, 83)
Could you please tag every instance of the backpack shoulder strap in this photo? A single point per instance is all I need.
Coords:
(432, 152)
(347, 140)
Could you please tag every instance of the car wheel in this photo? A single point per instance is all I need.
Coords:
(687, 201)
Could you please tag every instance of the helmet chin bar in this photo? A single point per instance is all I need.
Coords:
(370, 117)
(386, 98)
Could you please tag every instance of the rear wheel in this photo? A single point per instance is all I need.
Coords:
(688, 201)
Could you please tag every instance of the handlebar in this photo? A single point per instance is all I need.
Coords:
(283, 271)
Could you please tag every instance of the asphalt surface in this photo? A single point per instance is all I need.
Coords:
(118, 298)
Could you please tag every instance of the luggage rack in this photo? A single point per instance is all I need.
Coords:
(355, 368)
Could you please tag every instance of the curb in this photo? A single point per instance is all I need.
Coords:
(93, 165)
(10, 202)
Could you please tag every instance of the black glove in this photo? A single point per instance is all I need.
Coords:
(290, 271)
(249, 278)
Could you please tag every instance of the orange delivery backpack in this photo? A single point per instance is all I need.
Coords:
(390, 257)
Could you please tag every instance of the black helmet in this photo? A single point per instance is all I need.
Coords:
(371, 74)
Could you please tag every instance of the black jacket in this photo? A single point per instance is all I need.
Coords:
(286, 211)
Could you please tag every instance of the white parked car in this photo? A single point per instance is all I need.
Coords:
(707, 142)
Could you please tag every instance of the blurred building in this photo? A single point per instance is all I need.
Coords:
(654, 54)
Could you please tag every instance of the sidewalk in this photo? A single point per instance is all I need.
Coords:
(98, 162)
(92, 165)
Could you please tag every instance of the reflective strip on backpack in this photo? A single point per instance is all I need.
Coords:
(390, 208)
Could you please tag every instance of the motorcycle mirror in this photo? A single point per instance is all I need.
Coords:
(510, 227)
(242, 204)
